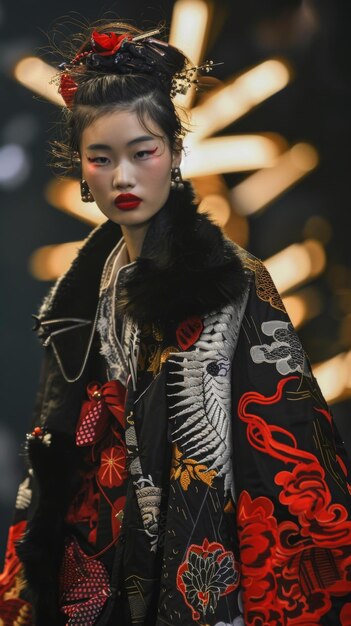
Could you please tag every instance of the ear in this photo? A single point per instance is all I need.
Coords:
(176, 156)
(177, 153)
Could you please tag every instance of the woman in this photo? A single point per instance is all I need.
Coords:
(184, 467)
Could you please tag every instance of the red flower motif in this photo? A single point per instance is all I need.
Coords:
(106, 44)
(112, 471)
(189, 331)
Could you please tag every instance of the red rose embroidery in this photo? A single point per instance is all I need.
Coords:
(107, 44)
(112, 471)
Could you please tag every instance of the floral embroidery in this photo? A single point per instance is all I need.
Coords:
(208, 573)
(112, 471)
(265, 287)
(186, 470)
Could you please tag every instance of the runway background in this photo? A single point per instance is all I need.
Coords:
(315, 108)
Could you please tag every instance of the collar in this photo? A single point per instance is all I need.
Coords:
(186, 267)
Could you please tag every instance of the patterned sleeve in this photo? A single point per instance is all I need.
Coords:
(15, 607)
(291, 479)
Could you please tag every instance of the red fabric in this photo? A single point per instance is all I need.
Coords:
(84, 586)
(112, 471)
(189, 331)
(104, 400)
(106, 44)
(67, 89)
(13, 610)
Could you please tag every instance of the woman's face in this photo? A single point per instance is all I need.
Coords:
(127, 168)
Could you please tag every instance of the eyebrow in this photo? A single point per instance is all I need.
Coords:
(102, 146)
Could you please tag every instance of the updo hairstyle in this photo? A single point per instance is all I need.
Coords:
(138, 78)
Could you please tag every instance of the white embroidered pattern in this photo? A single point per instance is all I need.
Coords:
(201, 419)
(24, 495)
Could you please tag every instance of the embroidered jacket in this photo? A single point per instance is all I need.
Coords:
(237, 502)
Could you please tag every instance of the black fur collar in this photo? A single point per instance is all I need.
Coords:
(186, 267)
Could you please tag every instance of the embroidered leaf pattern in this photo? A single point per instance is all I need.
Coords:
(186, 470)
(201, 412)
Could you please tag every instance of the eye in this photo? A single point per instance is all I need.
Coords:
(144, 154)
(98, 160)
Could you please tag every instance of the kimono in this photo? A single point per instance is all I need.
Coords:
(229, 500)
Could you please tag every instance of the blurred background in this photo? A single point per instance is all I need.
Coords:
(268, 155)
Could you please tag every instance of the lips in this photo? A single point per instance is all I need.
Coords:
(127, 201)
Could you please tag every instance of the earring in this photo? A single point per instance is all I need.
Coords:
(85, 192)
(176, 179)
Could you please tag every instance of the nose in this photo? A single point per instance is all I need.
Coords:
(123, 176)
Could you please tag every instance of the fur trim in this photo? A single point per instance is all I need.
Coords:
(76, 291)
(186, 267)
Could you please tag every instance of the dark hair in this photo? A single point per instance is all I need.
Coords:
(101, 89)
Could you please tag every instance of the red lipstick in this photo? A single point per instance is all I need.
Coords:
(127, 201)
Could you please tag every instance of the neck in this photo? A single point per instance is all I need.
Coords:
(134, 238)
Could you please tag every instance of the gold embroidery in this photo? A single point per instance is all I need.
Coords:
(186, 470)
(154, 359)
(265, 288)
(167, 352)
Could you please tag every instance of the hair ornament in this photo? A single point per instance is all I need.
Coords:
(126, 54)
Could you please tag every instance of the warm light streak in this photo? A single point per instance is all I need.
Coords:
(189, 28)
(217, 208)
(64, 194)
(296, 264)
(237, 97)
(262, 187)
(37, 75)
(230, 154)
(334, 377)
(49, 262)
(303, 306)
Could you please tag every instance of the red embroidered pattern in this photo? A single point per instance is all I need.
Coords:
(84, 586)
(290, 570)
(208, 572)
(94, 417)
(189, 331)
(112, 472)
(13, 610)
